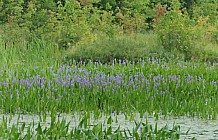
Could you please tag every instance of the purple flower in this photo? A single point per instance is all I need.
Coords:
(172, 99)
(213, 82)
(104, 84)
(43, 71)
(35, 67)
(162, 92)
(189, 78)
(13, 81)
(157, 84)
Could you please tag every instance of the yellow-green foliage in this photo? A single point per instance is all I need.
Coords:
(206, 8)
(175, 30)
(124, 47)
(69, 22)
(206, 14)
(75, 23)
(12, 35)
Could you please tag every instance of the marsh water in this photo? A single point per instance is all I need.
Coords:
(198, 128)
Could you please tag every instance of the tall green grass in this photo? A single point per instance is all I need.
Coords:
(38, 52)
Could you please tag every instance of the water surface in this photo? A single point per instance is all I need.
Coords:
(198, 128)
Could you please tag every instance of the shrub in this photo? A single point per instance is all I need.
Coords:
(125, 47)
(175, 31)
(215, 32)
(206, 8)
(12, 35)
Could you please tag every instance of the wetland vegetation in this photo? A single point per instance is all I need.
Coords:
(106, 59)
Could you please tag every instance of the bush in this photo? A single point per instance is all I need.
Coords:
(206, 8)
(215, 32)
(126, 47)
(175, 31)
(12, 35)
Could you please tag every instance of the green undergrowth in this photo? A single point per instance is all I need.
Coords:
(29, 54)
(124, 47)
(132, 47)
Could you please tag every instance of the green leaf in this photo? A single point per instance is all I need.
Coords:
(39, 129)
(110, 120)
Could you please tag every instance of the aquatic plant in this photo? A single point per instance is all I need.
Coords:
(151, 85)
(60, 129)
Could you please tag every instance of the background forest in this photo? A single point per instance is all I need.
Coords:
(107, 29)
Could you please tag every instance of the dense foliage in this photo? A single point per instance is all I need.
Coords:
(75, 23)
